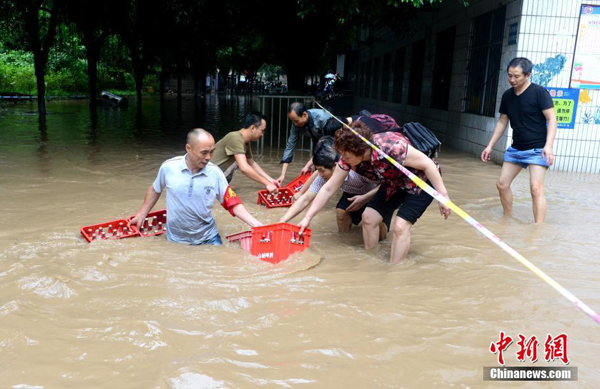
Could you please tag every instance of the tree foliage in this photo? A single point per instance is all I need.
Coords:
(123, 41)
(34, 26)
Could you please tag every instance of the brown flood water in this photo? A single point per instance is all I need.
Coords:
(146, 313)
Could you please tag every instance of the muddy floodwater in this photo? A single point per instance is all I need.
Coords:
(147, 313)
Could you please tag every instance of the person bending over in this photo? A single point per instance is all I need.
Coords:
(397, 191)
(234, 152)
(356, 190)
(304, 122)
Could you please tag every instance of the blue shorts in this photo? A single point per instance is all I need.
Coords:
(525, 158)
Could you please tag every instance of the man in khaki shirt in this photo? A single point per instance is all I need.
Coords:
(233, 152)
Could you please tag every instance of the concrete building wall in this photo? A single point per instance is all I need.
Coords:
(546, 29)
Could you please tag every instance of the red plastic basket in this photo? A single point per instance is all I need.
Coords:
(273, 243)
(116, 229)
(276, 242)
(284, 197)
(297, 184)
(154, 224)
(245, 239)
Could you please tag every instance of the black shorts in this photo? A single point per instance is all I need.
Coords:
(410, 206)
(344, 203)
(357, 215)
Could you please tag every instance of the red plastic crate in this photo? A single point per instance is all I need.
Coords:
(245, 239)
(276, 242)
(116, 229)
(154, 224)
(297, 184)
(284, 197)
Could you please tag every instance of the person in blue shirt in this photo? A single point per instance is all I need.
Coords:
(309, 122)
(193, 183)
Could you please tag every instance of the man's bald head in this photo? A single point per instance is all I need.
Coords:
(200, 147)
(198, 134)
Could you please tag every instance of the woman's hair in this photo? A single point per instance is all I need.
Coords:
(325, 153)
(347, 141)
(333, 124)
(325, 141)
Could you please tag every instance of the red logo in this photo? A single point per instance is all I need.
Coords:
(500, 346)
(527, 348)
(554, 348)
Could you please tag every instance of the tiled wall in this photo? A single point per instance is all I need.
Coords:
(547, 35)
(547, 30)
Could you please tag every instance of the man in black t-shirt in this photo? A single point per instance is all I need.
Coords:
(530, 110)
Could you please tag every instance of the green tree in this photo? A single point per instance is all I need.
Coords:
(32, 24)
(93, 20)
(139, 24)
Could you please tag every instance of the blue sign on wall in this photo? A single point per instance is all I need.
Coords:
(565, 105)
(513, 31)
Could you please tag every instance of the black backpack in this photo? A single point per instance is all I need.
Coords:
(420, 137)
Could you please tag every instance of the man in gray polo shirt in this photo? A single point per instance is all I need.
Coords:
(193, 184)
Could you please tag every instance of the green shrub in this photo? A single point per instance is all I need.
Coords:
(17, 75)
(17, 72)
(150, 83)
(129, 81)
(64, 75)
(67, 82)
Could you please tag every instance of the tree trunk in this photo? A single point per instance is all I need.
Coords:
(296, 73)
(162, 81)
(92, 59)
(179, 79)
(39, 48)
(93, 45)
(139, 83)
(199, 78)
(40, 76)
(196, 81)
(138, 74)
